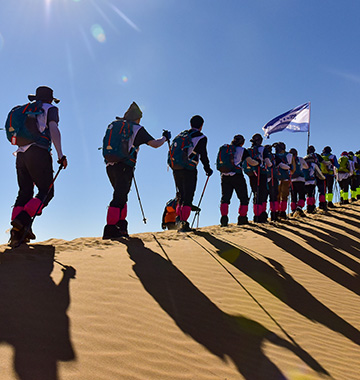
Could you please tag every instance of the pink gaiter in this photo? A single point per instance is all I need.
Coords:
(293, 206)
(243, 210)
(32, 206)
(224, 209)
(185, 213)
(322, 198)
(301, 203)
(113, 215)
(16, 211)
(283, 205)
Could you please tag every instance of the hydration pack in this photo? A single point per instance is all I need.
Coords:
(225, 160)
(344, 166)
(22, 127)
(116, 143)
(256, 153)
(179, 156)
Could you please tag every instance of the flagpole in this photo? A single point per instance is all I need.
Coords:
(308, 140)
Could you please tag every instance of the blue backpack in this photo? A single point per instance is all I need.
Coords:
(256, 153)
(116, 143)
(22, 128)
(225, 160)
(178, 156)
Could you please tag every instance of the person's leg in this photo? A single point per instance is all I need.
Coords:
(227, 189)
(242, 194)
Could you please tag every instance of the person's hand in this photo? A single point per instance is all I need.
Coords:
(63, 162)
(209, 172)
(167, 134)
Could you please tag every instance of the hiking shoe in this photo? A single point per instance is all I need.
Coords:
(22, 220)
(224, 221)
(331, 205)
(323, 206)
(123, 228)
(310, 209)
(300, 212)
(353, 200)
(15, 237)
(274, 216)
(263, 217)
(242, 220)
(185, 227)
(282, 215)
(346, 202)
(111, 231)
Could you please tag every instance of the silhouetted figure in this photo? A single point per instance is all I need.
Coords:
(33, 317)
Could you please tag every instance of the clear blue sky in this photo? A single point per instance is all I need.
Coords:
(237, 63)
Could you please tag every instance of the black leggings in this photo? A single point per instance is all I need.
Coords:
(34, 167)
(185, 182)
(120, 176)
(234, 182)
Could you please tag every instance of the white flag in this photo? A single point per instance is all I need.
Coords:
(295, 120)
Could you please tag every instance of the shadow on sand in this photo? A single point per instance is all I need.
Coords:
(33, 317)
(272, 276)
(224, 335)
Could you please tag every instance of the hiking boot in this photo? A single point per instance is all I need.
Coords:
(111, 231)
(331, 205)
(353, 200)
(323, 206)
(274, 216)
(282, 215)
(224, 221)
(358, 197)
(310, 209)
(123, 228)
(242, 220)
(22, 220)
(263, 217)
(300, 212)
(15, 237)
(346, 202)
(185, 227)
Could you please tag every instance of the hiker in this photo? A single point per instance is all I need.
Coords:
(357, 169)
(229, 163)
(34, 166)
(327, 166)
(312, 174)
(273, 184)
(183, 159)
(169, 215)
(258, 177)
(344, 172)
(354, 179)
(120, 158)
(298, 192)
(284, 171)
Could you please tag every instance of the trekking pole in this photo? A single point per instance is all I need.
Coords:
(27, 229)
(137, 192)
(198, 212)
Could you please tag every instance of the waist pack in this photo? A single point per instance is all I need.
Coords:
(116, 143)
(22, 127)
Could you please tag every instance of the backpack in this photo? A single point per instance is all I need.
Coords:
(256, 153)
(116, 143)
(178, 156)
(344, 166)
(326, 165)
(22, 128)
(225, 160)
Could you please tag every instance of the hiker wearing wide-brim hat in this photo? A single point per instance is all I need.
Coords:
(34, 164)
(44, 94)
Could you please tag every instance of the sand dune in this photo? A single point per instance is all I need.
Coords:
(274, 301)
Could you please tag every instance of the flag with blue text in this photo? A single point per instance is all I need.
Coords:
(295, 120)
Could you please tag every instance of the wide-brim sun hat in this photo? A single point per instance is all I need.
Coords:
(44, 94)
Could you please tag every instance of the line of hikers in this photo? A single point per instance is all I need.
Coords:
(33, 127)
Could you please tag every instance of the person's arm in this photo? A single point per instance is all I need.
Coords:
(56, 140)
(251, 161)
(156, 143)
(202, 151)
(318, 172)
